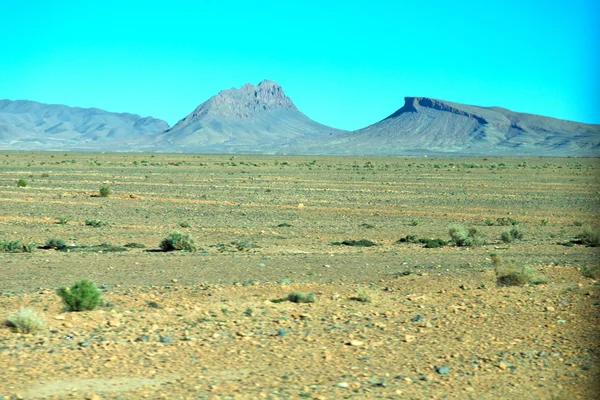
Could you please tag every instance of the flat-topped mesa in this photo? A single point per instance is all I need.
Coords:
(415, 104)
(245, 102)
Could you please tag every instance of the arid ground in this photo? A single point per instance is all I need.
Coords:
(395, 320)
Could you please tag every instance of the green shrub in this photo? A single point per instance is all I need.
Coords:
(22, 183)
(544, 222)
(433, 243)
(134, 245)
(461, 237)
(510, 235)
(62, 220)
(489, 222)
(26, 320)
(16, 246)
(178, 241)
(84, 295)
(507, 221)
(55, 243)
(356, 243)
(415, 222)
(589, 237)
(104, 191)
(508, 273)
(592, 272)
(364, 296)
(184, 224)
(578, 223)
(299, 297)
(96, 223)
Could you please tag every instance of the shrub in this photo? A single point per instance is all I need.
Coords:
(178, 241)
(94, 222)
(508, 273)
(22, 183)
(461, 237)
(589, 237)
(84, 295)
(592, 272)
(104, 191)
(26, 320)
(578, 223)
(16, 246)
(364, 296)
(433, 243)
(299, 297)
(55, 243)
(507, 221)
(544, 222)
(62, 220)
(489, 222)
(415, 222)
(356, 243)
(184, 224)
(510, 235)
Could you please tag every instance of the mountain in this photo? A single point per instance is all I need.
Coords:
(32, 125)
(252, 119)
(262, 119)
(426, 125)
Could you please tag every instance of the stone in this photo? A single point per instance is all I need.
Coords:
(442, 370)
(342, 384)
(355, 343)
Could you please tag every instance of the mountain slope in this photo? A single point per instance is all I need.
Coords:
(252, 118)
(31, 125)
(429, 125)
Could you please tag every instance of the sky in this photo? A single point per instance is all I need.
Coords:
(344, 64)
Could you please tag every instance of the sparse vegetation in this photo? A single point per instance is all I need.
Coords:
(507, 221)
(415, 222)
(364, 296)
(510, 235)
(461, 237)
(133, 245)
(26, 320)
(104, 191)
(355, 243)
(63, 219)
(489, 222)
(544, 222)
(94, 222)
(429, 243)
(84, 295)
(16, 246)
(299, 297)
(184, 224)
(56, 244)
(592, 272)
(508, 273)
(178, 241)
(22, 183)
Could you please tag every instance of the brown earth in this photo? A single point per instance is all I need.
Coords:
(203, 324)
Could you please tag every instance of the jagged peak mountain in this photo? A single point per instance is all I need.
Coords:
(244, 103)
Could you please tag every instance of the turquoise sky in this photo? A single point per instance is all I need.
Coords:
(345, 64)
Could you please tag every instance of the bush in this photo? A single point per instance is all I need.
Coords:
(84, 295)
(104, 191)
(461, 237)
(62, 220)
(55, 243)
(356, 243)
(22, 183)
(415, 222)
(544, 222)
(489, 222)
(299, 297)
(507, 221)
(510, 235)
(16, 246)
(178, 241)
(364, 296)
(26, 320)
(508, 273)
(589, 237)
(94, 222)
(592, 272)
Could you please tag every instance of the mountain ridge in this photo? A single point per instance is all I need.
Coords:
(263, 119)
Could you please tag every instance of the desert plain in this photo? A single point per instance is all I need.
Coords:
(394, 321)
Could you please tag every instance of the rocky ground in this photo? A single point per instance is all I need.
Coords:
(391, 321)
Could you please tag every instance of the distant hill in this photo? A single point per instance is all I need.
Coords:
(250, 119)
(32, 125)
(427, 125)
(262, 119)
